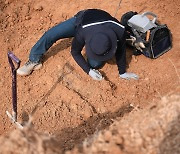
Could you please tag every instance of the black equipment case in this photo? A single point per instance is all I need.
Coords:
(146, 35)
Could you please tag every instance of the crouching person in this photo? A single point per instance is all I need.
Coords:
(102, 36)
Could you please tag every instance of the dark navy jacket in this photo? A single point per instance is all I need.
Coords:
(91, 18)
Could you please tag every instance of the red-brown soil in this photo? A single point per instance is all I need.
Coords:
(62, 99)
(151, 130)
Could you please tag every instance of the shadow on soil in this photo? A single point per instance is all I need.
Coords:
(129, 54)
(70, 137)
(67, 69)
(62, 45)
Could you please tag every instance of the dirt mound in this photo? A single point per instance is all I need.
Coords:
(153, 130)
(62, 99)
(28, 142)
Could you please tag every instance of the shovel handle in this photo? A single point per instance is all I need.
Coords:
(12, 61)
(11, 58)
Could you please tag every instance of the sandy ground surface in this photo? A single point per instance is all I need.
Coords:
(61, 98)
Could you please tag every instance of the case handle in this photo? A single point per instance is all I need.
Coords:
(11, 58)
(152, 14)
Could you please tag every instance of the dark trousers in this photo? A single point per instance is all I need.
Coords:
(63, 30)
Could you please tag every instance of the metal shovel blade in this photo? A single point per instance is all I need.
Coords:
(14, 120)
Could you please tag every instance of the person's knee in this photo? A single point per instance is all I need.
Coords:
(96, 64)
(49, 37)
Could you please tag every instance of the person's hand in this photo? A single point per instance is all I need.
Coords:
(139, 45)
(129, 76)
(95, 74)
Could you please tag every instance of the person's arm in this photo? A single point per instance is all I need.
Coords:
(121, 46)
(121, 56)
(77, 46)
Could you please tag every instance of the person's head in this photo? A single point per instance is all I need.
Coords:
(102, 44)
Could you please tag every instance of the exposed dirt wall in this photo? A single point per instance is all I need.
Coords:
(155, 129)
